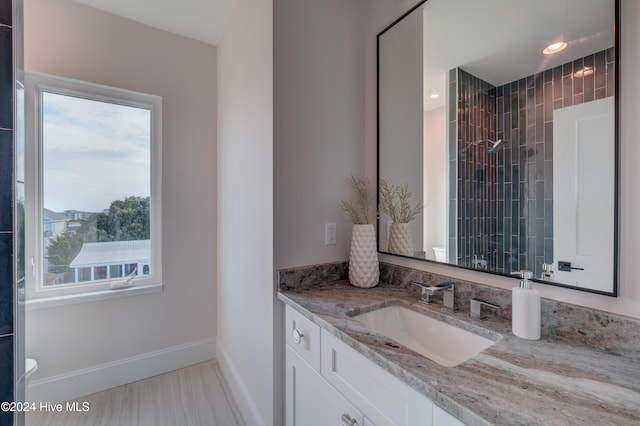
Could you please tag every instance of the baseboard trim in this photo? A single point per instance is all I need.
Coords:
(78, 383)
(241, 394)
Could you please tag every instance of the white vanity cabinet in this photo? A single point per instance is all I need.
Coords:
(329, 383)
(309, 399)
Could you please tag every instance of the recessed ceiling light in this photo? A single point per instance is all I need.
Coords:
(433, 95)
(583, 72)
(555, 47)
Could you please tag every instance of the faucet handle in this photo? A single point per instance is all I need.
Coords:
(425, 294)
(428, 290)
(476, 308)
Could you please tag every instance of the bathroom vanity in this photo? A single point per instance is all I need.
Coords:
(330, 382)
(341, 371)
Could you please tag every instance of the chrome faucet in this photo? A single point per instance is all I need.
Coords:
(430, 290)
(476, 308)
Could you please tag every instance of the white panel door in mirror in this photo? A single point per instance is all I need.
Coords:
(583, 194)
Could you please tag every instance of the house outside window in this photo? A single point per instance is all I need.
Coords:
(93, 180)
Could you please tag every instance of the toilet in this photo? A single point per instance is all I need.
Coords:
(30, 367)
(441, 254)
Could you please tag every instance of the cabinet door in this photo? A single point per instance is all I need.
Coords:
(442, 418)
(382, 398)
(311, 401)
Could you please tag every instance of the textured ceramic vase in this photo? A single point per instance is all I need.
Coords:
(363, 257)
(400, 240)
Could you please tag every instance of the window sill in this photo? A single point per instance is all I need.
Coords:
(73, 299)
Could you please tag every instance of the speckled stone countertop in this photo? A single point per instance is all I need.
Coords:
(551, 381)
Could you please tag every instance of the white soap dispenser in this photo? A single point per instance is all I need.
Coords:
(525, 308)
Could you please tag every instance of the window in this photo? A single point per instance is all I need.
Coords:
(93, 189)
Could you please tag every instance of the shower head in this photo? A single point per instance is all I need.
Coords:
(495, 146)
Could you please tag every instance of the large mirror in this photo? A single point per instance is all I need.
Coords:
(499, 118)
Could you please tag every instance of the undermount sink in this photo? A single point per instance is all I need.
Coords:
(443, 343)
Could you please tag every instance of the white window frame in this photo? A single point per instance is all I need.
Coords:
(38, 295)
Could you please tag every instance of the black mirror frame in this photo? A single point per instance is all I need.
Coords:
(616, 239)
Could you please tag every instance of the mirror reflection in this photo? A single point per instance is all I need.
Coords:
(499, 118)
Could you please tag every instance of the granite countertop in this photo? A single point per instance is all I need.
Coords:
(514, 382)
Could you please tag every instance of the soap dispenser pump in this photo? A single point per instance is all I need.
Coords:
(525, 308)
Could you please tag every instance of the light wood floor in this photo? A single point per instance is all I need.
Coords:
(192, 396)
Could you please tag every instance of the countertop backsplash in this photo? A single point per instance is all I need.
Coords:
(612, 333)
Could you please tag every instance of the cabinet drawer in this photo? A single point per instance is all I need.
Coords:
(382, 398)
(303, 336)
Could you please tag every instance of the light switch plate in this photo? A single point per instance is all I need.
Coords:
(330, 231)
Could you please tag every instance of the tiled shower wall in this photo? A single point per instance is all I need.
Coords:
(7, 338)
(11, 227)
(477, 172)
(504, 201)
(525, 169)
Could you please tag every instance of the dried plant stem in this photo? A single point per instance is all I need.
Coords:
(360, 212)
(395, 202)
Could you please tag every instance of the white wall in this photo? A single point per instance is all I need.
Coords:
(383, 13)
(65, 38)
(318, 125)
(435, 178)
(246, 341)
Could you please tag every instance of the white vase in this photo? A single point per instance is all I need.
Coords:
(400, 239)
(363, 257)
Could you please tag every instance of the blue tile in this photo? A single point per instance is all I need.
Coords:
(507, 232)
(522, 261)
(548, 102)
(6, 17)
(6, 78)
(557, 83)
(539, 91)
(567, 91)
(6, 283)
(6, 181)
(600, 70)
(522, 130)
(531, 134)
(514, 110)
(589, 88)
(539, 160)
(540, 199)
(578, 65)
(531, 103)
(548, 180)
(609, 54)
(6, 377)
(548, 221)
(539, 123)
(540, 237)
(548, 141)
(548, 250)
